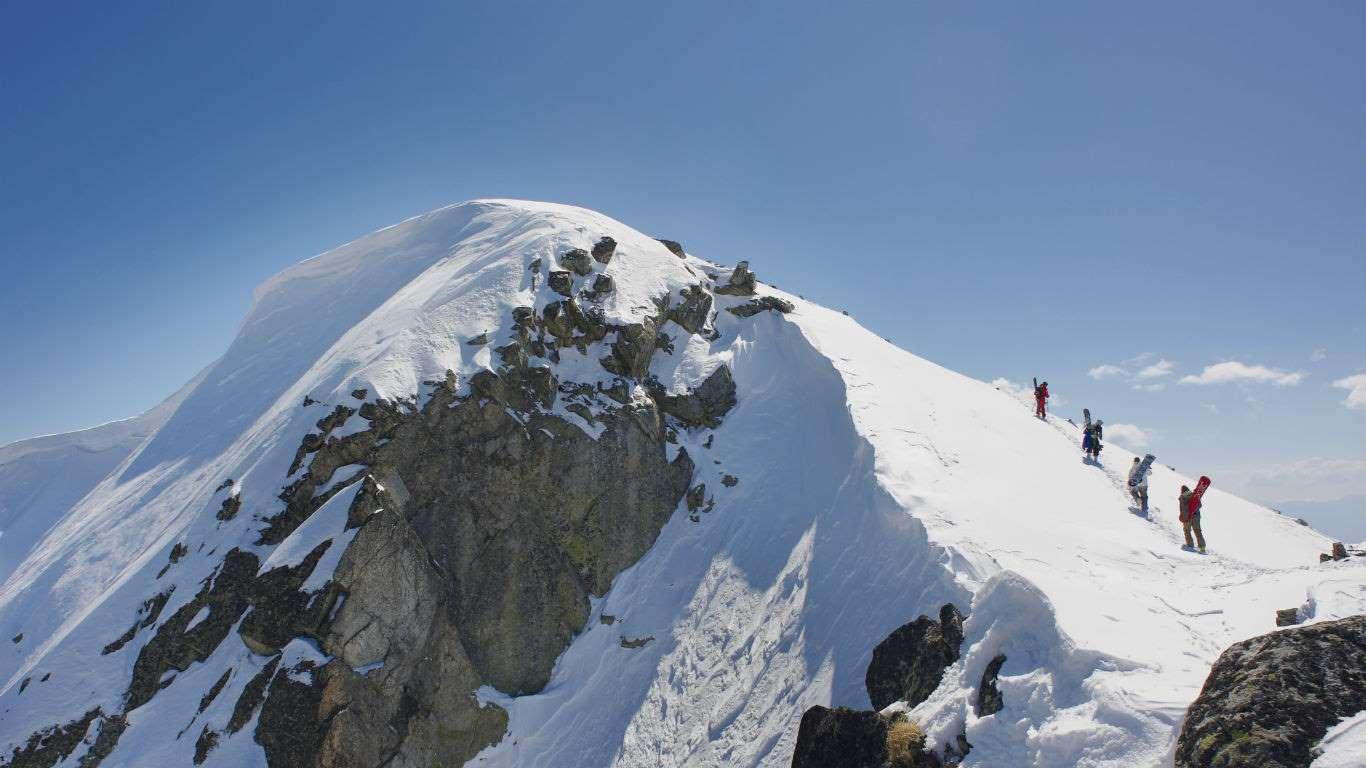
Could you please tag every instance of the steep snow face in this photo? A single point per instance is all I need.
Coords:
(852, 487)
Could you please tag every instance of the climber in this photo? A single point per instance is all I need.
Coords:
(1091, 434)
(1190, 519)
(1138, 482)
(1040, 398)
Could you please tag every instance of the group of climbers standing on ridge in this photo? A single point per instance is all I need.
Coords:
(1190, 499)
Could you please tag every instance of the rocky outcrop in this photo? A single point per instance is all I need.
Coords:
(908, 665)
(675, 247)
(740, 283)
(604, 249)
(989, 700)
(761, 304)
(841, 738)
(484, 521)
(1268, 700)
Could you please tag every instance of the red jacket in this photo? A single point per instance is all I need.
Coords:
(1041, 394)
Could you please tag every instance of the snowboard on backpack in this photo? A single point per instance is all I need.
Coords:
(1143, 467)
(1200, 489)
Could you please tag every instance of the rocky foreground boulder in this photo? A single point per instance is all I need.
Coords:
(1269, 700)
(906, 666)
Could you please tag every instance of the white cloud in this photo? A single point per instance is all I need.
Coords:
(1356, 390)
(1234, 372)
(1128, 435)
(1157, 370)
(1158, 387)
(1318, 355)
(1106, 372)
(1316, 478)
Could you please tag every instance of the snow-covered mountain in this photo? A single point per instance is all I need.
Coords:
(514, 483)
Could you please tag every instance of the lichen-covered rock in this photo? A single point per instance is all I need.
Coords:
(908, 665)
(1268, 700)
(604, 249)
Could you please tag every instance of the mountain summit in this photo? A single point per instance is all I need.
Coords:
(514, 484)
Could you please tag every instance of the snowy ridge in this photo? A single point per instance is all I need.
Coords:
(870, 486)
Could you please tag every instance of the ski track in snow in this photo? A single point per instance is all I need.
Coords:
(873, 486)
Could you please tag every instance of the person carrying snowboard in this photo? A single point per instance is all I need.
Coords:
(1138, 481)
(1040, 399)
(1091, 434)
(1190, 513)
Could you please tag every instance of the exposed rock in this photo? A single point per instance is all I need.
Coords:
(561, 282)
(177, 552)
(755, 306)
(360, 394)
(638, 642)
(1287, 617)
(602, 285)
(697, 495)
(693, 311)
(604, 249)
(231, 506)
(1268, 700)
(607, 619)
(632, 350)
(1339, 551)
(740, 283)
(841, 738)
(479, 341)
(729, 480)
(308, 401)
(251, 697)
(213, 692)
(48, 747)
(910, 662)
(578, 260)
(205, 744)
(705, 405)
(223, 485)
(675, 247)
(17, 638)
(148, 615)
(989, 700)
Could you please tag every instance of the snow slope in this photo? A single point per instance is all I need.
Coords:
(872, 486)
(42, 477)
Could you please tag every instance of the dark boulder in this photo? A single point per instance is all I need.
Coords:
(989, 700)
(1268, 700)
(561, 282)
(577, 260)
(910, 662)
(604, 249)
(841, 738)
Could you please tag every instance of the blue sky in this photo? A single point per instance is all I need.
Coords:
(1010, 191)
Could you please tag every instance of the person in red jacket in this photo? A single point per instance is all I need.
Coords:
(1190, 518)
(1040, 398)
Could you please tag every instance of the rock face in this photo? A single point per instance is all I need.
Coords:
(1269, 700)
(909, 663)
(483, 522)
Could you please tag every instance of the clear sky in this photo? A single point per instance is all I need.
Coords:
(1008, 189)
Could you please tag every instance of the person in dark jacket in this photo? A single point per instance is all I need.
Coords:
(1190, 519)
(1040, 399)
(1090, 442)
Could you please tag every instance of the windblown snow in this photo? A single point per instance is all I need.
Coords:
(873, 486)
